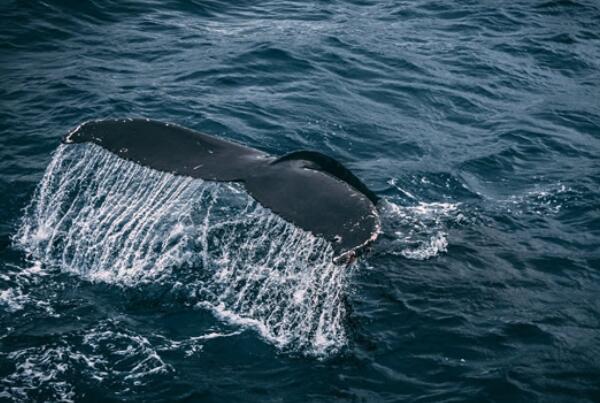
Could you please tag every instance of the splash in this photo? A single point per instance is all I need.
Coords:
(113, 221)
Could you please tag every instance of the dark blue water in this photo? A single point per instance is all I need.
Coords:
(478, 123)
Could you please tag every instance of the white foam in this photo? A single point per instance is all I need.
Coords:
(34, 367)
(117, 358)
(13, 299)
(544, 200)
(418, 231)
(437, 243)
(17, 297)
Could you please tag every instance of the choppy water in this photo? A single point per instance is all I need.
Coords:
(478, 123)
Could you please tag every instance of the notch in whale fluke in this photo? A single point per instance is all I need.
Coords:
(306, 188)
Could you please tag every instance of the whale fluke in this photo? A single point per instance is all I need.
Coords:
(307, 188)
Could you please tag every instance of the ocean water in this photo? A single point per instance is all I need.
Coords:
(477, 123)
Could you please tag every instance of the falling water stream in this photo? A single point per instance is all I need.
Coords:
(113, 221)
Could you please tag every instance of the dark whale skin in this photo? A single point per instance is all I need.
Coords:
(307, 188)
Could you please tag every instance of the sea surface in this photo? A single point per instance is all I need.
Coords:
(476, 122)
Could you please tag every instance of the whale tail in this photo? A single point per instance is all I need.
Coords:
(306, 188)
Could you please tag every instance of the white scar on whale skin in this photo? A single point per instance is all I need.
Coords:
(110, 220)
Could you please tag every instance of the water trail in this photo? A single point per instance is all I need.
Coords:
(111, 220)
